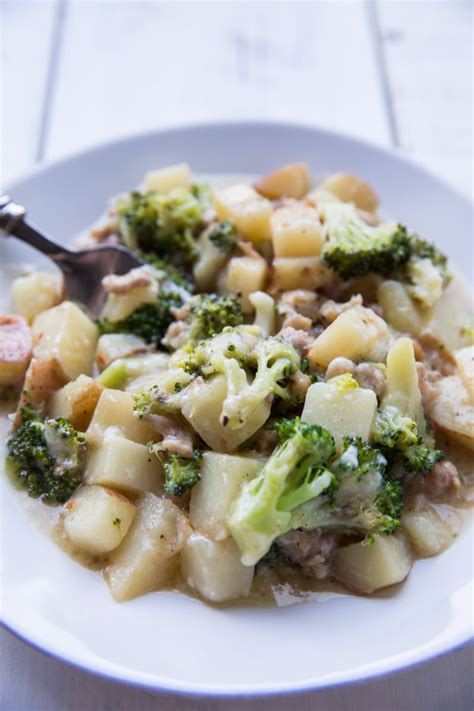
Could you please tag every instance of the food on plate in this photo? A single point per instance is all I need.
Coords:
(282, 394)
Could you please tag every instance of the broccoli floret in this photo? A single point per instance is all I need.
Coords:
(426, 272)
(398, 437)
(223, 235)
(211, 313)
(181, 474)
(161, 223)
(295, 473)
(170, 272)
(203, 193)
(162, 398)
(149, 321)
(361, 500)
(47, 457)
(353, 248)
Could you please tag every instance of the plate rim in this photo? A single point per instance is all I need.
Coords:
(368, 672)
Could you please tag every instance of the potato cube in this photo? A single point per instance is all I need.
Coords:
(465, 362)
(243, 276)
(447, 320)
(357, 333)
(97, 519)
(343, 411)
(165, 179)
(35, 293)
(15, 349)
(115, 409)
(214, 569)
(296, 231)
(76, 401)
(431, 529)
(119, 306)
(222, 475)
(300, 273)
(202, 406)
(67, 334)
(452, 411)
(112, 346)
(148, 557)
(249, 211)
(349, 188)
(42, 379)
(366, 567)
(124, 465)
(398, 308)
(293, 180)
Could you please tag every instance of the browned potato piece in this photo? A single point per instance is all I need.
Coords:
(15, 349)
(349, 188)
(42, 379)
(76, 401)
(452, 411)
(299, 273)
(293, 180)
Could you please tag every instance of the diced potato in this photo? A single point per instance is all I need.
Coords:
(447, 320)
(465, 361)
(300, 273)
(349, 188)
(357, 333)
(296, 231)
(119, 306)
(222, 475)
(431, 529)
(452, 411)
(165, 179)
(202, 406)
(148, 557)
(214, 569)
(368, 567)
(115, 409)
(209, 263)
(124, 465)
(76, 401)
(97, 519)
(112, 346)
(398, 308)
(242, 277)
(293, 180)
(249, 211)
(42, 379)
(15, 349)
(67, 334)
(35, 293)
(402, 389)
(343, 411)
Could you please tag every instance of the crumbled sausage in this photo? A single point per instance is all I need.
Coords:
(339, 366)
(177, 436)
(330, 310)
(120, 284)
(442, 479)
(310, 550)
(15, 349)
(371, 377)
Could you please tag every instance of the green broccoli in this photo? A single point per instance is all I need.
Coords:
(397, 435)
(426, 272)
(223, 235)
(295, 473)
(121, 371)
(171, 274)
(203, 193)
(211, 313)
(161, 223)
(149, 321)
(181, 474)
(162, 398)
(353, 248)
(47, 457)
(361, 500)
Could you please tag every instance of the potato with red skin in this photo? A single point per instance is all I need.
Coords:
(15, 349)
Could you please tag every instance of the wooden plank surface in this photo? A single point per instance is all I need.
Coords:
(131, 66)
(429, 59)
(27, 30)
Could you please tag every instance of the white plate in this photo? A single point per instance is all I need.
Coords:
(167, 641)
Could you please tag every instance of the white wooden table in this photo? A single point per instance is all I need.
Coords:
(77, 72)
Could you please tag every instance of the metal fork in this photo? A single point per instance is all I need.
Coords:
(83, 270)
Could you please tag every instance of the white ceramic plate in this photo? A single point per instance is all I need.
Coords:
(167, 641)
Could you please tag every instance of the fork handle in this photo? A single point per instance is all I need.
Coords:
(12, 222)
